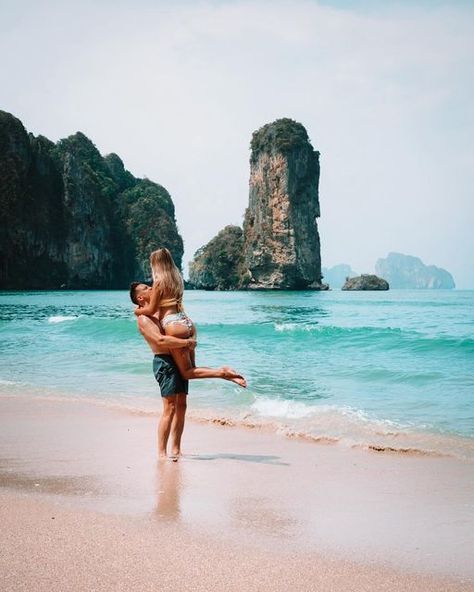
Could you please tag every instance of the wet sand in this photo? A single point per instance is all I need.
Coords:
(85, 505)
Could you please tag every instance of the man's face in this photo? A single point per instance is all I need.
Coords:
(143, 293)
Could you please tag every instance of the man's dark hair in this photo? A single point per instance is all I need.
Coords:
(133, 293)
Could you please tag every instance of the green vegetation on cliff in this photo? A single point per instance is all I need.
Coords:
(365, 282)
(147, 212)
(218, 265)
(71, 217)
(282, 135)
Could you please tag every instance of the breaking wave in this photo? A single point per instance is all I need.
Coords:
(61, 319)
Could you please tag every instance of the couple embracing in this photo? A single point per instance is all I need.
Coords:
(171, 335)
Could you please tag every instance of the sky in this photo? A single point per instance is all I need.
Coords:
(384, 88)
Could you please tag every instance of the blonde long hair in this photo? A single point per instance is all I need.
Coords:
(167, 277)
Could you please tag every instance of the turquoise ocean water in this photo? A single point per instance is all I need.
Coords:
(391, 370)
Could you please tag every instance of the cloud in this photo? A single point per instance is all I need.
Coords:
(176, 89)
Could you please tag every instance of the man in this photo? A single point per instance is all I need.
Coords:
(173, 386)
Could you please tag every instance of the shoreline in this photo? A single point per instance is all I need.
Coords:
(241, 489)
(371, 435)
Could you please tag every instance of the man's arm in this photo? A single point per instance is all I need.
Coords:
(151, 332)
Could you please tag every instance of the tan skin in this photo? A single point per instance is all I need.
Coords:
(148, 299)
(174, 406)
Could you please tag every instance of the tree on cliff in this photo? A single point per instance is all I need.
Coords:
(148, 214)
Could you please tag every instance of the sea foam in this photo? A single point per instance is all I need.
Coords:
(281, 408)
(62, 319)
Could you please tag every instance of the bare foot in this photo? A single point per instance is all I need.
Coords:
(233, 376)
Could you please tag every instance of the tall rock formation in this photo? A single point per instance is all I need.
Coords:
(70, 217)
(279, 247)
(281, 239)
(405, 271)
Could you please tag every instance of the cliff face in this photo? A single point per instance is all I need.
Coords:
(218, 265)
(279, 247)
(405, 271)
(70, 217)
(281, 239)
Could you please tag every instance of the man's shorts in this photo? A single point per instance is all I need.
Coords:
(168, 377)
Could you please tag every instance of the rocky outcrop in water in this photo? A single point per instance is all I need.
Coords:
(72, 218)
(336, 276)
(280, 240)
(405, 271)
(218, 265)
(365, 282)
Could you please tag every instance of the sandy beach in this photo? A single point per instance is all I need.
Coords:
(85, 505)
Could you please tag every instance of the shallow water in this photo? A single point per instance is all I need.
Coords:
(389, 369)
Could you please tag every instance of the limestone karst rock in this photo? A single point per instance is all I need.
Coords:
(365, 282)
(70, 217)
(218, 265)
(280, 240)
(405, 271)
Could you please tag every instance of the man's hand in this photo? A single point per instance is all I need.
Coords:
(152, 333)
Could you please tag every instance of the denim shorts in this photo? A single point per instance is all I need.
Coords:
(168, 377)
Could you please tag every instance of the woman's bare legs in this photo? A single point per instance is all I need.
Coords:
(185, 365)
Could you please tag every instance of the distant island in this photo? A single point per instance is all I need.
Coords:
(278, 247)
(336, 276)
(73, 218)
(405, 271)
(400, 271)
